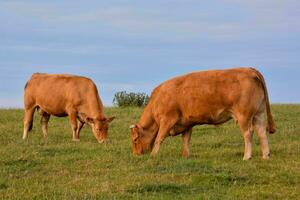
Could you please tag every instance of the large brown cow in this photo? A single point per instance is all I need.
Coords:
(65, 95)
(206, 97)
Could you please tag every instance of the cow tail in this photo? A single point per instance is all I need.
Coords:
(271, 124)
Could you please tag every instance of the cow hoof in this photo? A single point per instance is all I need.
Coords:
(266, 157)
(75, 140)
(153, 154)
(247, 158)
(185, 154)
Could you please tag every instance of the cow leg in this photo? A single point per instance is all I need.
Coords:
(163, 132)
(79, 126)
(45, 117)
(28, 121)
(245, 127)
(186, 137)
(260, 129)
(73, 122)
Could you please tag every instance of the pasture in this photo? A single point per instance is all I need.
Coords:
(58, 168)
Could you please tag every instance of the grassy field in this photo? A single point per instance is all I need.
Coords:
(58, 168)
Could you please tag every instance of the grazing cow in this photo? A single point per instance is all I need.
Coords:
(65, 95)
(206, 97)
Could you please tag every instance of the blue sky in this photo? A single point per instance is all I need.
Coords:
(134, 45)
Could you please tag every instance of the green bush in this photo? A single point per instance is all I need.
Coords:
(124, 99)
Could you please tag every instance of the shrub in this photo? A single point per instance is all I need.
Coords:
(124, 99)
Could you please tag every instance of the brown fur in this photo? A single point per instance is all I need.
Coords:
(65, 95)
(206, 97)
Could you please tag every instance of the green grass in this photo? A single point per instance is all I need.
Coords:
(58, 168)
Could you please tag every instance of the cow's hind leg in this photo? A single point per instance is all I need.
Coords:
(45, 117)
(186, 137)
(245, 126)
(28, 121)
(260, 129)
(163, 132)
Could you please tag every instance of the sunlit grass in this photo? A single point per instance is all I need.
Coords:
(58, 168)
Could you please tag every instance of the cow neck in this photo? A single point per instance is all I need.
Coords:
(96, 110)
(96, 114)
(148, 133)
(148, 125)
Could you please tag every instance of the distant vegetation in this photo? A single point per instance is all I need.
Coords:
(124, 99)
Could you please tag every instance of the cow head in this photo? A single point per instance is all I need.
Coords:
(139, 142)
(99, 127)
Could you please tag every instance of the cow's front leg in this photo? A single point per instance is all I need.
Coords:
(163, 132)
(186, 137)
(73, 122)
(79, 127)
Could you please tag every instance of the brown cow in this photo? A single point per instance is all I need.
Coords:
(206, 97)
(65, 95)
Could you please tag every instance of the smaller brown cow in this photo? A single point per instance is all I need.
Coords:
(207, 97)
(65, 95)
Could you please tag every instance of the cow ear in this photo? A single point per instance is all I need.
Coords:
(82, 117)
(108, 120)
(89, 120)
(136, 126)
(133, 126)
(134, 132)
